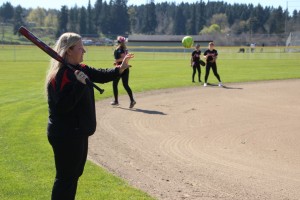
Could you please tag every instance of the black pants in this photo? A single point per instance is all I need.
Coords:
(213, 66)
(196, 67)
(70, 155)
(125, 80)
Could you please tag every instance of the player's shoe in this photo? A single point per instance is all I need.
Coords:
(114, 103)
(220, 84)
(132, 104)
(205, 84)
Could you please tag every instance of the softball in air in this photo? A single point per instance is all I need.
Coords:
(187, 41)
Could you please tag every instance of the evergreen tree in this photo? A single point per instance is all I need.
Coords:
(258, 19)
(82, 22)
(119, 17)
(201, 16)
(97, 15)
(295, 21)
(6, 11)
(276, 21)
(74, 19)
(179, 26)
(132, 19)
(105, 19)
(116, 18)
(191, 27)
(90, 27)
(152, 21)
(18, 19)
(149, 19)
(62, 21)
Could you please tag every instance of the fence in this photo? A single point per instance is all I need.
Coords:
(30, 53)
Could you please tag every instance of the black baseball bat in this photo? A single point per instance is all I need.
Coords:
(48, 50)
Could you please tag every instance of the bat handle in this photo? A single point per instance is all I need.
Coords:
(94, 85)
(88, 82)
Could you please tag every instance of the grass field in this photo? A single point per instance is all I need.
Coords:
(26, 161)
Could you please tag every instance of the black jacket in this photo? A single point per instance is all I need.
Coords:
(72, 104)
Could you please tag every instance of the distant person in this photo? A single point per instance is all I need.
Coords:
(72, 115)
(211, 55)
(252, 47)
(120, 52)
(262, 47)
(195, 63)
(241, 50)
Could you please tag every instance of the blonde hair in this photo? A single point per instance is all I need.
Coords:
(64, 42)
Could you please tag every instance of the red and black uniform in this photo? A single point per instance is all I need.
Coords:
(196, 64)
(72, 119)
(211, 56)
(125, 76)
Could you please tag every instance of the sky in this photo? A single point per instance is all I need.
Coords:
(290, 4)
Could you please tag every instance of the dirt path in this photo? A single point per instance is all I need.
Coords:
(240, 142)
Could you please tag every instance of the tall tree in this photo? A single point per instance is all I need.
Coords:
(105, 19)
(295, 21)
(90, 27)
(180, 25)
(191, 27)
(18, 19)
(152, 20)
(259, 18)
(6, 11)
(97, 15)
(74, 19)
(276, 21)
(132, 19)
(62, 21)
(164, 14)
(201, 16)
(82, 22)
(149, 19)
(119, 17)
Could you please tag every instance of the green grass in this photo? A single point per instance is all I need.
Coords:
(8, 37)
(26, 161)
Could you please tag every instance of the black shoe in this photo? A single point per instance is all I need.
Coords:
(114, 103)
(132, 104)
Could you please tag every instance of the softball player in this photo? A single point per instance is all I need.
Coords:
(119, 54)
(211, 55)
(195, 62)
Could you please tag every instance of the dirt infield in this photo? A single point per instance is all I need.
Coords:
(234, 143)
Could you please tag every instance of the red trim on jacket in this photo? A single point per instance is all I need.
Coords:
(65, 80)
(53, 83)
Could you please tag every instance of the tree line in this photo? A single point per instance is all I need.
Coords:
(116, 18)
